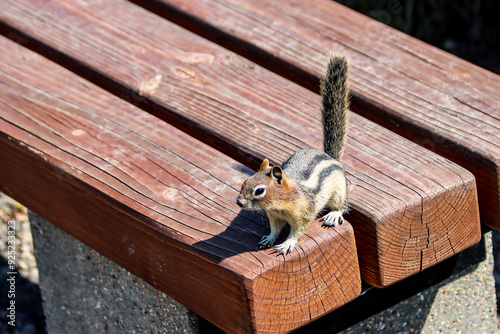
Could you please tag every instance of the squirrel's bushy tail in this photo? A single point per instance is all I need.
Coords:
(335, 93)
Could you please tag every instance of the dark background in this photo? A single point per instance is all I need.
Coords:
(469, 29)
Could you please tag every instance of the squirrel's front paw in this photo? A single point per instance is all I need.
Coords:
(267, 241)
(286, 247)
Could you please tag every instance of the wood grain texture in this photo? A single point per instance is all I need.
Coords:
(158, 202)
(411, 208)
(429, 96)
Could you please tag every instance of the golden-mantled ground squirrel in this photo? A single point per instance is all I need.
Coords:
(310, 180)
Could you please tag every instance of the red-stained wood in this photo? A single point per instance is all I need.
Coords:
(158, 202)
(411, 208)
(429, 96)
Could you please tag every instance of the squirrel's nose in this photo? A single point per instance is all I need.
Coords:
(240, 204)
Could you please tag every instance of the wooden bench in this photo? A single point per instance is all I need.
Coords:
(420, 92)
(157, 202)
(149, 196)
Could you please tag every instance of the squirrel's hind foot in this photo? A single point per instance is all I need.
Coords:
(332, 218)
(286, 247)
(267, 241)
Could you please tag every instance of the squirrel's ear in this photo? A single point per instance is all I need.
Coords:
(264, 164)
(277, 174)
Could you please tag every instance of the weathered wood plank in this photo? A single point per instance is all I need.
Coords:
(158, 202)
(411, 208)
(429, 96)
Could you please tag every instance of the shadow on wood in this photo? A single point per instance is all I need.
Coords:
(317, 277)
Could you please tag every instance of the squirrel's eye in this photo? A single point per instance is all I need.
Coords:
(259, 191)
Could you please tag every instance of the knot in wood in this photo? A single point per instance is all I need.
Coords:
(170, 193)
(78, 132)
(195, 58)
(148, 86)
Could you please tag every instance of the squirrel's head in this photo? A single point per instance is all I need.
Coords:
(260, 190)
